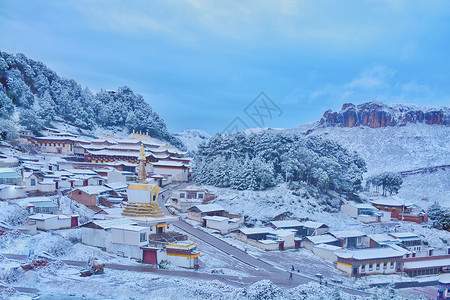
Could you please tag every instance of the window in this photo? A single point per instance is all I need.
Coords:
(392, 265)
(370, 267)
(200, 196)
(143, 237)
(33, 182)
(363, 268)
(385, 265)
(378, 266)
(181, 195)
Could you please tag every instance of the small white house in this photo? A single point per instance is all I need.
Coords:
(184, 199)
(53, 222)
(326, 252)
(267, 238)
(310, 242)
(182, 254)
(365, 213)
(223, 224)
(352, 238)
(127, 240)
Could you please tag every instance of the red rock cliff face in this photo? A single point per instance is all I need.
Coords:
(376, 114)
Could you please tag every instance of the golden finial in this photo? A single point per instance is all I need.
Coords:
(142, 151)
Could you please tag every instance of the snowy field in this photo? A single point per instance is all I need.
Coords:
(432, 186)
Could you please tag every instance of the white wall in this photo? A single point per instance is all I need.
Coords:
(325, 254)
(349, 209)
(95, 237)
(177, 174)
(132, 251)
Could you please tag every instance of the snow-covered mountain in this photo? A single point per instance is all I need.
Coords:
(397, 137)
(191, 138)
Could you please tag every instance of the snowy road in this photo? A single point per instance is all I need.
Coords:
(262, 269)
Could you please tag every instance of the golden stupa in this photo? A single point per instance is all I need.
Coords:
(142, 196)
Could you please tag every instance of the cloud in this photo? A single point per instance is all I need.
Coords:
(375, 76)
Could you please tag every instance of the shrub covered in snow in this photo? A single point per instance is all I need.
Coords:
(263, 290)
(12, 214)
(54, 245)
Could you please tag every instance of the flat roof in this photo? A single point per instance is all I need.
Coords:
(42, 216)
(93, 189)
(404, 235)
(408, 265)
(364, 254)
(319, 239)
(46, 203)
(286, 223)
(209, 207)
(216, 218)
(129, 227)
(328, 247)
(259, 230)
(312, 224)
(347, 233)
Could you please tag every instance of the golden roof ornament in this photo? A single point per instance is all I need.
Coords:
(142, 172)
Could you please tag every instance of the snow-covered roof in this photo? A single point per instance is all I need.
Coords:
(319, 239)
(258, 230)
(93, 189)
(286, 223)
(399, 249)
(382, 238)
(444, 278)
(129, 227)
(42, 217)
(328, 247)
(347, 233)
(208, 207)
(116, 185)
(391, 201)
(8, 173)
(366, 206)
(42, 204)
(216, 218)
(374, 253)
(166, 163)
(109, 223)
(312, 224)
(408, 265)
(404, 235)
(283, 233)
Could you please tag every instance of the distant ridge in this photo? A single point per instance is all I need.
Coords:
(376, 114)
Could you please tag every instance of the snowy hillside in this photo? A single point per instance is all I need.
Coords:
(191, 138)
(394, 148)
(32, 95)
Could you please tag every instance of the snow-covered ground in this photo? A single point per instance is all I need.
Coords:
(431, 186)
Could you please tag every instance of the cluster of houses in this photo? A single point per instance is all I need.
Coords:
(352, 251)
(117, 178)
(384, 209)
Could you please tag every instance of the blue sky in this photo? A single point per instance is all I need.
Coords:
(200, 63)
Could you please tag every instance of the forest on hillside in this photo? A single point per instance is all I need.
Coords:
(258, 161)
(33, 95)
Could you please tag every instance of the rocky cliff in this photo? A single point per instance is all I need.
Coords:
(376, 114)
